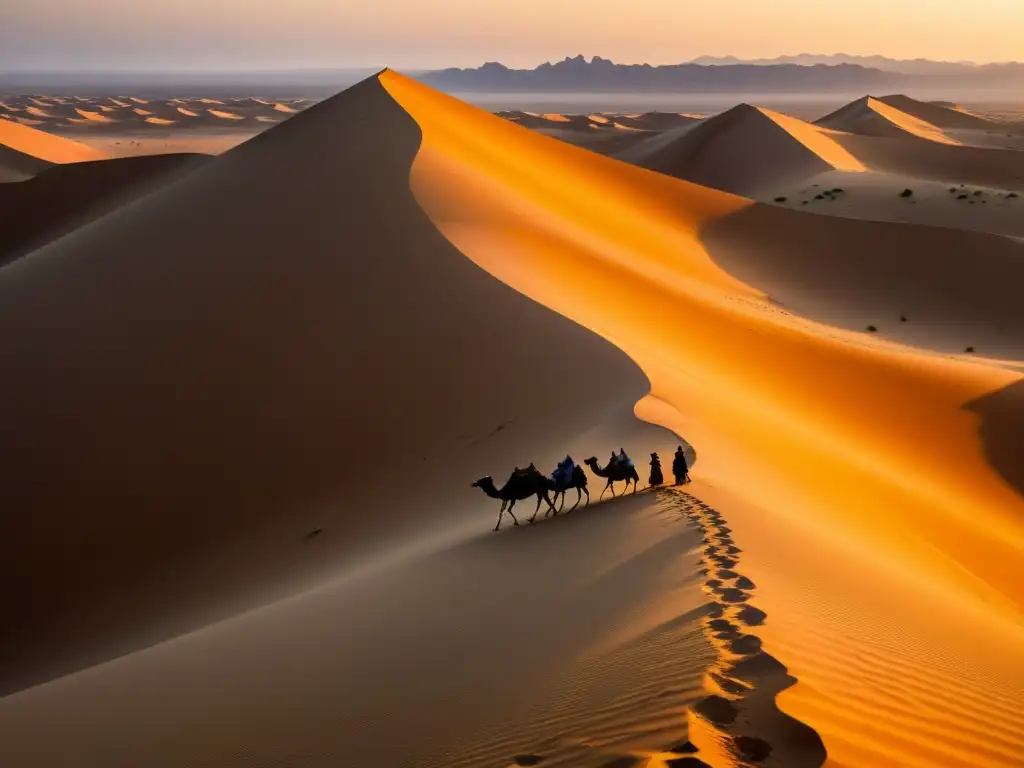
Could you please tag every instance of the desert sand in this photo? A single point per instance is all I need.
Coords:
(133, 126)
(244, 532)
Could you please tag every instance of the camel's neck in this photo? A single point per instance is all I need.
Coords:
(488, 487)
(597, 470)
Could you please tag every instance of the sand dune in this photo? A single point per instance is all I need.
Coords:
(294, 282)
(25, 151)
(746, 150)
(840, 583)
(791, 408)
(938, 115)
(62, 198)
(225, 115)
(95, 120)
(872, 117)
(94, 116)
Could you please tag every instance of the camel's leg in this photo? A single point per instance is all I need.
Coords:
(500, 513)
(579, 498)
(611, 484)
(588, 496)
(533, 517)
(510, 505)
(606, 487)
(635, 482)
(561, 504)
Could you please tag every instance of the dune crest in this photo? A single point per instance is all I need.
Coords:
(745, 150)
(25, 151)
(849, 440)
(872, 117)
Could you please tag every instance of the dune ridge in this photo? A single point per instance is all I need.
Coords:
(311, 272)
(25, 151)
(822, 429)
(872, 117)
(745, 150)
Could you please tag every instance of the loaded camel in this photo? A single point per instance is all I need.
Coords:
(616, 471)
(521, 484)
(568, 475)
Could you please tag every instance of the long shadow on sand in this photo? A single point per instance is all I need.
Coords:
(1001, 417)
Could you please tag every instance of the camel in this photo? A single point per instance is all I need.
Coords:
(562, 482)
(522, 484)
(615, 472)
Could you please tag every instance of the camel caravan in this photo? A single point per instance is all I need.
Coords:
(529, 482)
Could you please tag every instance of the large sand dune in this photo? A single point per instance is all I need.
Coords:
(845, 437)
(745, 150)
(234, 362)
(216, 385)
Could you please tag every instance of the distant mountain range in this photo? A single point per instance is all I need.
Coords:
(901, 66)
(718, 75)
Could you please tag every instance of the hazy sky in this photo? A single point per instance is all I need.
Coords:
(436, 33)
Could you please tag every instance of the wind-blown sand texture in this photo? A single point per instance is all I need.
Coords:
(253, 430)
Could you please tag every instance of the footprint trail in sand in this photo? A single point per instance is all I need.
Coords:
(738, 723)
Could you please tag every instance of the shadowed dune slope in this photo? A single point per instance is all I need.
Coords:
(844, 440)
(936, 114)
(278, 341)
(915, 157)
(870, 117)
(746, 150)
(65, 197)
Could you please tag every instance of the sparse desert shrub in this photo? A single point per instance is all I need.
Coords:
(952, 190)
(978, 193)
(907, 193)
(838, 191)
(903, 318)
(780, 199)
(1012, 195)
(969, 349)
(871, 329)
(803, 202)
(819, 197)
(961, 197)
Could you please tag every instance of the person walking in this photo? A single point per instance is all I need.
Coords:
(679, 468)
(656, 478)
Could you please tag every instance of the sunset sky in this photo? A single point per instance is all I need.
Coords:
(436, 33)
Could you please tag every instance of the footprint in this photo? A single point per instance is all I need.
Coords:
(733, 596)
(745, 645)
(727, 684)
(744, 583)
(751, 748)
(712, 584)
(727, 574)
(686, 762)
(751, 616)
(717, 709)
(527, 759)
(686, 748)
